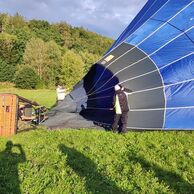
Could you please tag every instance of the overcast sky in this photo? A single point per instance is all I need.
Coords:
(108, 17)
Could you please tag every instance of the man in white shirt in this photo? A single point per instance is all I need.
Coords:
(60, 93)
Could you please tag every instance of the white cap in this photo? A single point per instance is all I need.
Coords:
(117, 87)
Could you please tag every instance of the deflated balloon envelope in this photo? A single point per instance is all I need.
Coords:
(154, 58)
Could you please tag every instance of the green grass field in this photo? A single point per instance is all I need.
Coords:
(43, 97)
(95, 162)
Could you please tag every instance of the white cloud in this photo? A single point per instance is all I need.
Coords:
(108, 18)
(88, 5)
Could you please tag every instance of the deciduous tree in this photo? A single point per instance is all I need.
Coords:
(72, 69)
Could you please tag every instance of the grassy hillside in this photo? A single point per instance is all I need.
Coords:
(87, 161)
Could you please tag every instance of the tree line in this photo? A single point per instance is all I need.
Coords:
(36, 54)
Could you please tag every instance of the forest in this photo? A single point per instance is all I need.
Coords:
(36, 54)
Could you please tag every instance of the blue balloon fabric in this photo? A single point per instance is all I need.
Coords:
(163, 33)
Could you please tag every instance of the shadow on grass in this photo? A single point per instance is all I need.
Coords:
(175, 182)
(9, 160)
(87, 169)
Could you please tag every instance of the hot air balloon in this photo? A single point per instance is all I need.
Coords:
(154, 58)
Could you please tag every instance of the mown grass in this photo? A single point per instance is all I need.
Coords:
(88, 161)
(94, 162)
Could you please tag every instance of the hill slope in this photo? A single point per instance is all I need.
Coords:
(52, 51)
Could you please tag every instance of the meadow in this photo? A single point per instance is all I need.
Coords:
(88, 161)
(44, 97)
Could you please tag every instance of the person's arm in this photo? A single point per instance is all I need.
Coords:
(127, 91)
(113, 103)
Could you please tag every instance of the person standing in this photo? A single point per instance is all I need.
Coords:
(120, 103)
(60, 93)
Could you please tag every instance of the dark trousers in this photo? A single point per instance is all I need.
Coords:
(120, 122)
